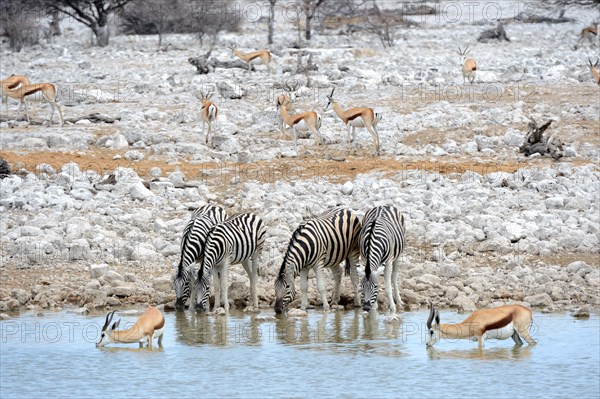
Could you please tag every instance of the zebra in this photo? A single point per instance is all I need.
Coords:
(324, 241)
(239, 239)
(192, 243)
(382, 241)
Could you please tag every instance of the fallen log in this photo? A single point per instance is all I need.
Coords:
(535, 142)
(497, 33)
(94, 118)
(205, 66)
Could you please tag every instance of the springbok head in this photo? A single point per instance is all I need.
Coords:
(433, 327)
(107, 330)
(463, 54)
(329, 99)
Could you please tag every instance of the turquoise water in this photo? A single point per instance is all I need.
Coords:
(337, 354)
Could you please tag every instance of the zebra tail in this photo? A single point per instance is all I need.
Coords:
(347, 267)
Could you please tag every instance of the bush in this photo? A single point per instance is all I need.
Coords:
(150, 17)
(21, 23)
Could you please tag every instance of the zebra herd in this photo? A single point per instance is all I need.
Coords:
(216, 241)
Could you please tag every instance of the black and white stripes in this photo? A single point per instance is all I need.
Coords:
(192, 244)
(322, 242)
(237, 240)
(382, 241)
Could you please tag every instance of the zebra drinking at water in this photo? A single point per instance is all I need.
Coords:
(239, 239)
(192, 244)
(324, 241)
(382, 241)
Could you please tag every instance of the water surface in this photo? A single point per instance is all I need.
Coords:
(335, 354)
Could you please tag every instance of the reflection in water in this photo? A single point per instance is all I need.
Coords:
(566, 359)
(194, 328)
(514, 353)
(143, 349)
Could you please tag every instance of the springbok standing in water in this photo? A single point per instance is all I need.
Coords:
(150, 325)
(503, 322)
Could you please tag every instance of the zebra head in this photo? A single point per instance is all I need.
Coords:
(433, 327)
(285, 291)
(369, 289)
(181, 285)
(203, 290)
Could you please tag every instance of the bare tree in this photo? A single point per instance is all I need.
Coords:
(206, 18)
(271, 20)
(310, 8)
(94, 14)
(574, 3)
(382, 24)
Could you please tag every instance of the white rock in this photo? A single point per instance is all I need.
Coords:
(119, 142)
(139, 192)
(347, 188)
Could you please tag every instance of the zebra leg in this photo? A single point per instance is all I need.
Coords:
(224, 285)
(304, 289)
(395, 270)
(388, 287)
(337, 282)
(321, 286)
(254, 281)
(248, 268)
(217, 283)
(354, 280)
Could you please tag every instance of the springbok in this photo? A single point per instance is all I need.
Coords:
(11, 83)
(264, 55)
(47, 92)
(469, 66)
(589, 33)
(150, 325)
(287, 101)
(208, 114)
(595, 71)
(356, 117)
(305, 121)
(503, 322)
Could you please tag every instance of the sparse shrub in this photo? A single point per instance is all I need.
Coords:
(204, 18)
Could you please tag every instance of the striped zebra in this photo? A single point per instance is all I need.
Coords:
(382, 241)
(192, 243)
(324, 241)
(239, 239)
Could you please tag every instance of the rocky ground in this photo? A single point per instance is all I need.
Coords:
(485, 225)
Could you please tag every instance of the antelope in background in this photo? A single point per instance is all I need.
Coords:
(356, 117)
(208, 114)
(150, 325)
(589, 33)
(47, 92)
(287, 101)
(305, 121)
(595, 71)
(469, 66)
(264, 55)
(11, 83)
(503, 322)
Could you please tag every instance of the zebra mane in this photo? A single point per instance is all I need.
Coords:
(288, 252)
(368, 238)
(203, 252)
(184, 241)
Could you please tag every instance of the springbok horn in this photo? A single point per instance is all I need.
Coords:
(332, 91)
(431, 314)
(109, 318)
(591, 63)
